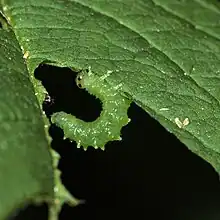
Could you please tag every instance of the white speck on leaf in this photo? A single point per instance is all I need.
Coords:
(109, 71)
(164, 109)
(26, 55)
(5, 8)
(90, 72)
(118, 86)
(105, 76)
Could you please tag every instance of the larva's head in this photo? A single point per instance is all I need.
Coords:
(80, 79)
(83, 78)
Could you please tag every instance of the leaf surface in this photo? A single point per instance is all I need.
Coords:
(26, 172)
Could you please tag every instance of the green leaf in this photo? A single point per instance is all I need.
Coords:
(26, 172)
(166, 55)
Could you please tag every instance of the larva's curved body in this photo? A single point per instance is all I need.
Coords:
(107, 126)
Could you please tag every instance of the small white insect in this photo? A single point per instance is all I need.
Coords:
(164, 109)
(178, 122)
(185, 122)
(181, 124)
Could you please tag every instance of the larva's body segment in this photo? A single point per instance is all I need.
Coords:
(105, 128)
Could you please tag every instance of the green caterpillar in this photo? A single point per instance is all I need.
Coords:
(108, 125)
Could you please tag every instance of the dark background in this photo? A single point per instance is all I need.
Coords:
(148, 175)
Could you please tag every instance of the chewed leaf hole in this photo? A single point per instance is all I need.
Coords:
(65, 95)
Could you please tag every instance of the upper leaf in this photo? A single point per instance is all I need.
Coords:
(167, 59)
(26, 171)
